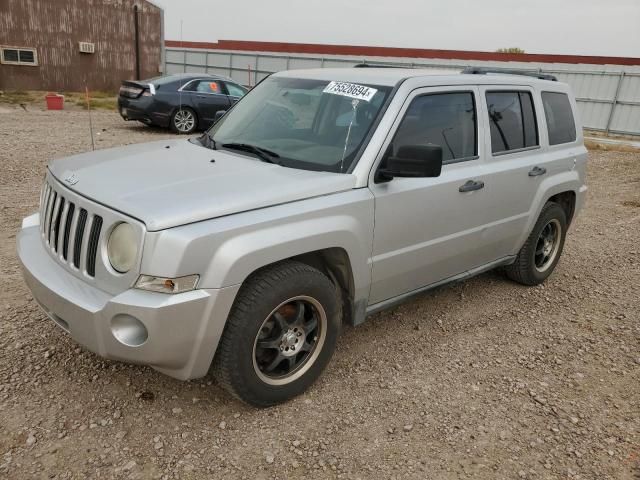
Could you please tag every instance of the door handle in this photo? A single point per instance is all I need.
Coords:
(537, 171)
(471, 185)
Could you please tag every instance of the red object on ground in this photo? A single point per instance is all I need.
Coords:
(55, 101)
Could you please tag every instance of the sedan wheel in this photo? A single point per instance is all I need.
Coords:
(184, 121)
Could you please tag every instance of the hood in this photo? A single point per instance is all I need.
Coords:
(174, 182)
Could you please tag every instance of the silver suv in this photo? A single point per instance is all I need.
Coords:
(321, 197)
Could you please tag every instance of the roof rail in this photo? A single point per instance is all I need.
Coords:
(506, 71)
(374, 65)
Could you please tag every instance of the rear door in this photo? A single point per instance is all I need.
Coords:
(235, 91)
(516, 162)
(430, 229)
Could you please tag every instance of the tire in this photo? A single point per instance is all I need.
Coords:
(184, 120)
(261, 326)
(532, 266)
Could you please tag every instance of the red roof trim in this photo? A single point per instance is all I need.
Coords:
(363, 51)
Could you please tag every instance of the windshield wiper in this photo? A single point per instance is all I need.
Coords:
(262, 153)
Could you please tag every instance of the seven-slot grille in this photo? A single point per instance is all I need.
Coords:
(70, 232)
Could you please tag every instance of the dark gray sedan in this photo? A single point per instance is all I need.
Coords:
(182, 102)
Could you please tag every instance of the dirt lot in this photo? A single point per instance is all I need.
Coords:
(483, 379)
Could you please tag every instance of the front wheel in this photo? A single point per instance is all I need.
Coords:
(540, 254)
(280, 335)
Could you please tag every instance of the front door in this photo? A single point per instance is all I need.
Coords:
(208, 97)
(430, 229)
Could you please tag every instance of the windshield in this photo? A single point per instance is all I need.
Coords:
(307, 124)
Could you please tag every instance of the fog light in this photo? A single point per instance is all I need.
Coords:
(129, 330)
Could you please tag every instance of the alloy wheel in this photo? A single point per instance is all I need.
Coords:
(289, 340)
(547, 245)
(184, 121)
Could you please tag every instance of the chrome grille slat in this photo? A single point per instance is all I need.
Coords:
(43, 196)
(92, 248)
(47, 208)
(66, 236)
(62, 220)
(52, 212)
(44, 199)
(85, 243)
(72, 236)
(79, 237)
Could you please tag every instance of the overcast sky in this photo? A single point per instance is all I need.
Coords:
(582, 27)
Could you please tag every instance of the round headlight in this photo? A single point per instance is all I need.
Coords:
(122, 248)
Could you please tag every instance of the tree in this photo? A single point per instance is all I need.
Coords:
(510, 50)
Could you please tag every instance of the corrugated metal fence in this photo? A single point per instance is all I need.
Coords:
(608, 96)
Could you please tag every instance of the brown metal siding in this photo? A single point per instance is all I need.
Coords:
(55, 27)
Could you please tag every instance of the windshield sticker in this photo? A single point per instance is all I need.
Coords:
(351, 90)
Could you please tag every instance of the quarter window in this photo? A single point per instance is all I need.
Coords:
(513, 121)
(18, 56)
(444, 119)
(560, 123)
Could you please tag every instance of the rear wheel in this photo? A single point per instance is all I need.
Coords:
(184, 120)
(280, 334)
(541, 252)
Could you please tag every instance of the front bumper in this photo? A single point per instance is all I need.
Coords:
(183, 330)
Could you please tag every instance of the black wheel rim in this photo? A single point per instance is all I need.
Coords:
(289, 340)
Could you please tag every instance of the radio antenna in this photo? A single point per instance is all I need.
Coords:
(185, 69)
(86, 89)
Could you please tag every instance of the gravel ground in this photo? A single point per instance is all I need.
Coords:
(483, 379)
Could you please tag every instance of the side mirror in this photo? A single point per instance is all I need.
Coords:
(218, 115)
(413, 161)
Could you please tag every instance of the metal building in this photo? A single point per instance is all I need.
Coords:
(65, 45)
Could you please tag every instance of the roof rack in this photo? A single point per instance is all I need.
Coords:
(374, 65)
(506, 71)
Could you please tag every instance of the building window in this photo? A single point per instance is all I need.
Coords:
(18, 56)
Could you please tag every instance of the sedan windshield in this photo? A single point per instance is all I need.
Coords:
(302, 123)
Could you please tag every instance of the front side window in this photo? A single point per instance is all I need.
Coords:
(513, 121)
(560, 123)
(204, 86)
(309, 124)
(444, 119)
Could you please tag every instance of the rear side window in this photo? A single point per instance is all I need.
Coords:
(560, 123)
(444, 119)
(513, 121)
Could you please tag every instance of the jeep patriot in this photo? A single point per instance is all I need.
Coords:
(321, 197)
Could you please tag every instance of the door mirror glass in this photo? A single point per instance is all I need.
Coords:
(413, 161)
(218, 115)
